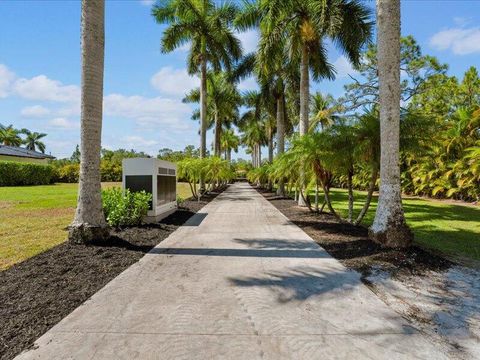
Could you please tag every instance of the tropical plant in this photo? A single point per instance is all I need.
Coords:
(323, 111)
(223, 100)
(228, 142)
(10, 136)
(32, 140)
(207, 27)
(89, 221)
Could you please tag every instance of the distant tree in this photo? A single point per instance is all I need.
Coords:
(32, 140)
(75, 158)
(416, 69)
(177, 155)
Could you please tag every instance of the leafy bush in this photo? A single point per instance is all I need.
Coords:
(17, 173)
(68, 173)
(110, 171)
(125, 208)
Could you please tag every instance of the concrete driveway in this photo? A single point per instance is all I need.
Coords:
(237, 281)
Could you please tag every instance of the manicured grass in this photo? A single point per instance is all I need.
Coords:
(450, 229)
(33, 218)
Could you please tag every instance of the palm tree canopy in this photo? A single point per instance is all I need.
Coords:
(223, 99)
(323, 109)
(32, 140)
(10, 136)
(203, 24)
(293, 24)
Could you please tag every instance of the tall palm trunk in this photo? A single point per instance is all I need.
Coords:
(270, 155)
(203, 114)
(304, 91)
(259, 155)
(280, 139)
(89, 222)
(270, 146)
(218, 133)
(304, 99)
(389, 227)
(229, 155)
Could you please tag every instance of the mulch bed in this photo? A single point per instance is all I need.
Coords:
(351, 246)
(39, 292)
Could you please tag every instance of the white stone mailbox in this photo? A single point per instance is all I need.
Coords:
(157, 177)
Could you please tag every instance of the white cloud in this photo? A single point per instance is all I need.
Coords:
(148, 112)
(134, 141)
(461, 41)
(42, 88)
(147, 2)
(35, 111)
(64, 123)
(172, 81)
(343, 67)
(249, 40)
(6, 79)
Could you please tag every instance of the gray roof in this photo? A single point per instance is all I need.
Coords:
(22, 152)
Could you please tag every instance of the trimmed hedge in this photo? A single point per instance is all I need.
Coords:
(69, 173)
(17, 173)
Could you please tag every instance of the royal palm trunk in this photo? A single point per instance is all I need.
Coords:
(304, 99)
(389, 227)
(89, 222)
(203, 114)
(280, 139)
(218, 133)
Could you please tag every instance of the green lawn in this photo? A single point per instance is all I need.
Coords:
(33, 218)
(451, 229)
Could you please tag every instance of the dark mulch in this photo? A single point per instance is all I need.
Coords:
(39, 292)
(351, 246)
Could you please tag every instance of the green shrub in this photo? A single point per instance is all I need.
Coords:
(110, 171)
(125, 209)
(68, 173)
(17, 173)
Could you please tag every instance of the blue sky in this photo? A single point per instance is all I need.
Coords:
(40, 69)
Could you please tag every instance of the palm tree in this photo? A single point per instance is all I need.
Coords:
(10, 136)
(254, 136)
(32, 140)
(323, 109)
(229, 142)
(89, 221)
(389, 227)
(301, 26)
(304, 25)
(222, 105)
(207, 27)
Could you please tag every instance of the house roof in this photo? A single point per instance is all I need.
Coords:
(22, 152)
